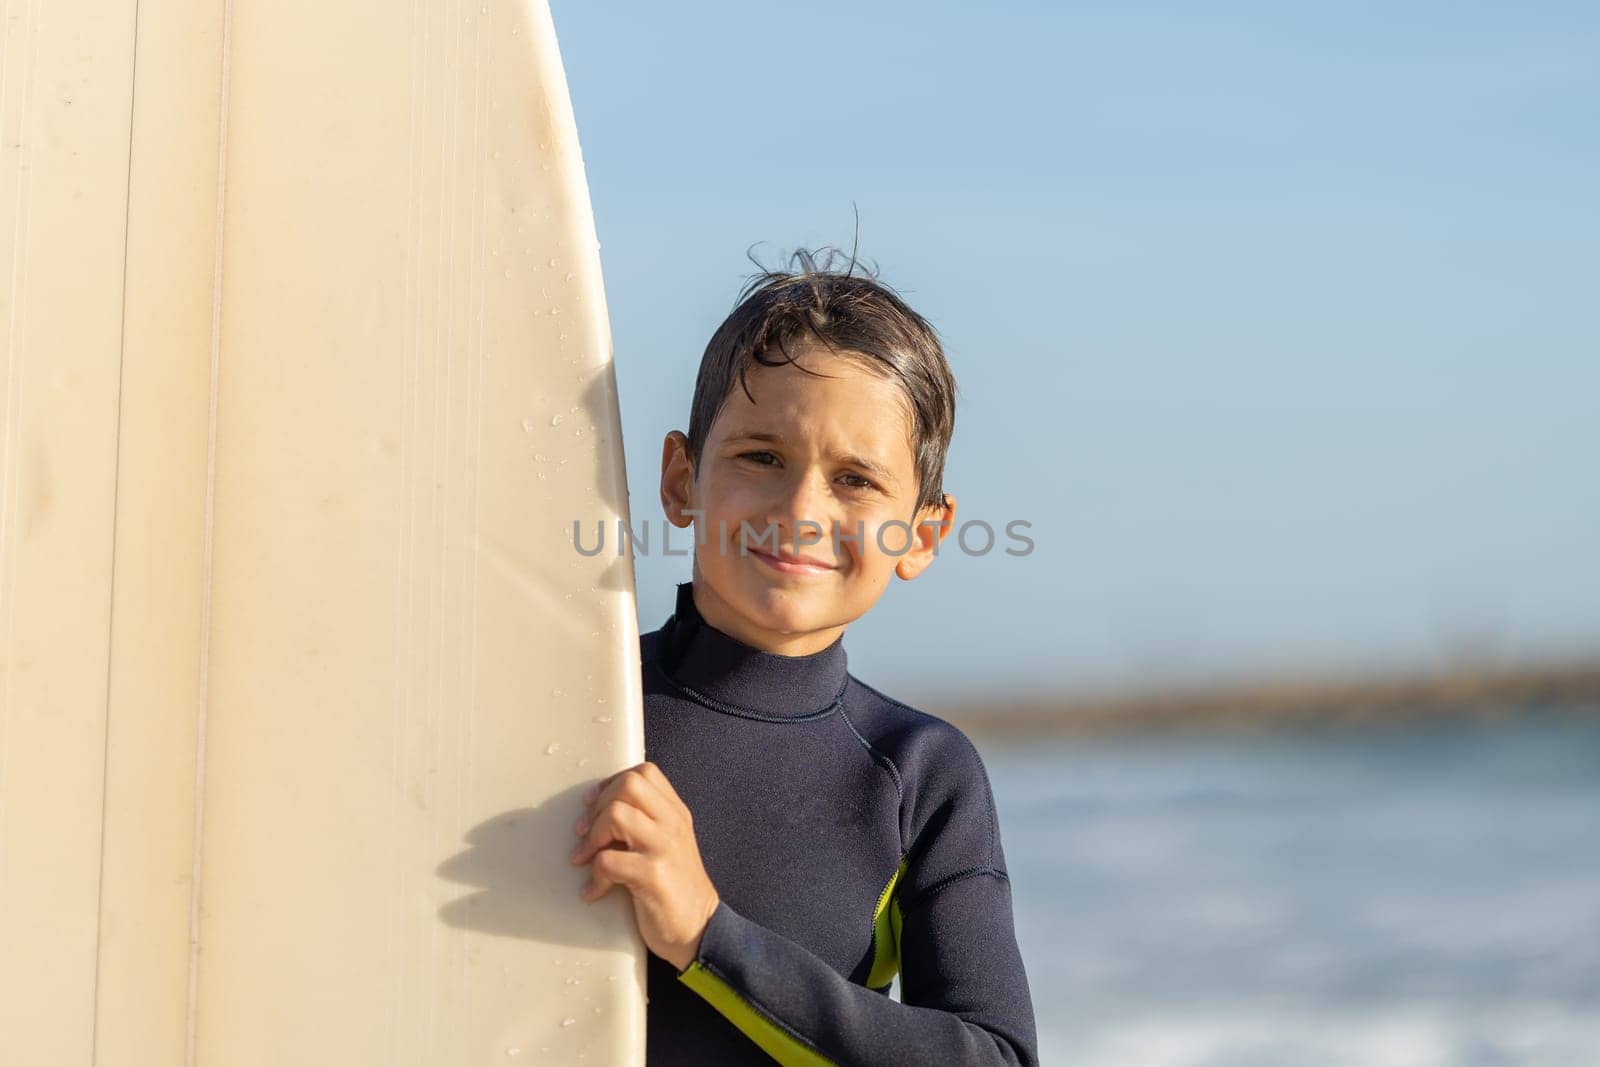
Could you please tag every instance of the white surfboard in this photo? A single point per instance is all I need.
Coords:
(306, 376)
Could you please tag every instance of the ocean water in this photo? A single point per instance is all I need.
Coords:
(1420, 895)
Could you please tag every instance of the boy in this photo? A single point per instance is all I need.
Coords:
(837, 836)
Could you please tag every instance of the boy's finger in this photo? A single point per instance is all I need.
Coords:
(594, 791)
(634, 787)
(592, 794)
(618, 823)
(613, 866)
(595, 886)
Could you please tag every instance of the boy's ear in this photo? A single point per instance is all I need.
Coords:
(932, 525)
(677, 479)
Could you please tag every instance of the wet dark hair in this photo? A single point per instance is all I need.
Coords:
(854, 314)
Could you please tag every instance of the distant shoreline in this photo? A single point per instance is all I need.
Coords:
(1466, 691)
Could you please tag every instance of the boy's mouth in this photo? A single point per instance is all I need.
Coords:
(791, 564)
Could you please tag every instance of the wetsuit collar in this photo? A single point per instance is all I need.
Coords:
(713, 664)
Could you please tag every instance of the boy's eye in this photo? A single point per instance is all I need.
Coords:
(860, 482)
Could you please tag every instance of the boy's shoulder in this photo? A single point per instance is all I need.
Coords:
(930, 755)
(945, 792)
(894, 721)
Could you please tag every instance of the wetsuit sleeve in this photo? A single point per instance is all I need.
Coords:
(947, 923)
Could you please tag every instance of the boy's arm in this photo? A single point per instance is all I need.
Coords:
(964, 991)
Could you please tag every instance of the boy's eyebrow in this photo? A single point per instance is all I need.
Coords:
(876, 469)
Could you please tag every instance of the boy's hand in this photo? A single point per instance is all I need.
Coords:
(640, 836)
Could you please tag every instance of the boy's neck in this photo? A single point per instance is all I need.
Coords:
(718, 613)
(727, 674)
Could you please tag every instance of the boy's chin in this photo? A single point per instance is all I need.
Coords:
(789, 609)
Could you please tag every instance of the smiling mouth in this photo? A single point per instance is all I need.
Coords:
(790, 566)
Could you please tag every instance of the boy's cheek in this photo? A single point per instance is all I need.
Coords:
(885, 539)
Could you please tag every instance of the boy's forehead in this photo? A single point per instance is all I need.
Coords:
(854, 412)
(829, 385)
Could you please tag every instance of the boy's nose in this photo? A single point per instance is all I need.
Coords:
(805, 496)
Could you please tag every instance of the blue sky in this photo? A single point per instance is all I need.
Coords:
(1277, 322)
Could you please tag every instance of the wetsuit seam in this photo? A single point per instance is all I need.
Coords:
(883, 760)
(879, 757)
(988, 793)
(949, 880)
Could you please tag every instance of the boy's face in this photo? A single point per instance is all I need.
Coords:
(833, 450)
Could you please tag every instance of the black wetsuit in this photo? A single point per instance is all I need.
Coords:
(848, 836)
